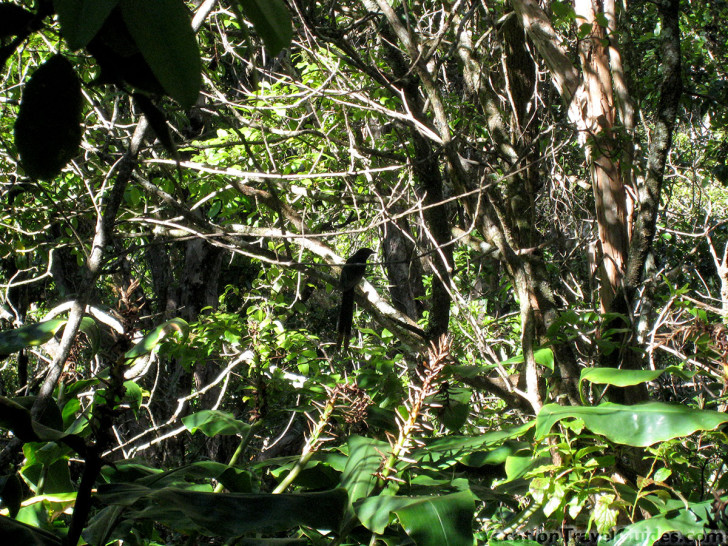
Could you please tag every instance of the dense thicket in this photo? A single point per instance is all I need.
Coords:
(540, 339)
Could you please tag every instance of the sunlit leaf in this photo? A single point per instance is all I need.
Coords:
(639, 425)
(156, 336)
(214, 422)
(30, 335)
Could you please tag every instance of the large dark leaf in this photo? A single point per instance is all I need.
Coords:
(161, 30)
(11, 493)
(429, 520)
(227, 514)
(640, 425)
(82, 19)
(13, 20)
(15, 532)
(48, 129)
(15, 417)
(271, 21)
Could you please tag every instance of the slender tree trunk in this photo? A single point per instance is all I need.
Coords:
(603, 155)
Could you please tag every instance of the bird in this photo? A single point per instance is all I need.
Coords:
(351, 274)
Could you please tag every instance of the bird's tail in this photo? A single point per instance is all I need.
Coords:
(346, 319)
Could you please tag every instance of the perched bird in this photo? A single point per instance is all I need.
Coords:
(352, 272)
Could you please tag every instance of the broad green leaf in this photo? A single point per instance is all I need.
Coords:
(640, 425)
(184, 477)
(562, 9)
(161, 30)
(104, 526)
(56, 477)
(214, 422)
(446, 451)
(626, 378)
(365, 459)
(428, 520)
(48, 127)
(156, 336)
(31, 335)
(227, 514)
(81, 19)
(495, 456)
(272, 22)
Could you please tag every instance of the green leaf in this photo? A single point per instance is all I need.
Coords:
(89, 327)
(156, 336)
(271, 21)
(444, 452)
(428, 520)
(226, 514)
(604, 513)
(162, 32)
(562, 9)
(543, 356)
(214, 422)
(626, 378)
(584, 30)
(31, 335)
(81, 19)
(455, 407)
(365, 458)
(15, 417)
(48, 128)
(640, 425)
(133, 394)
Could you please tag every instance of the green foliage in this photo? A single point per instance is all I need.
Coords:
(287, 161)
(639, 425)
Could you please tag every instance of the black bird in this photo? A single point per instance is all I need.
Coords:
(352, 272)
